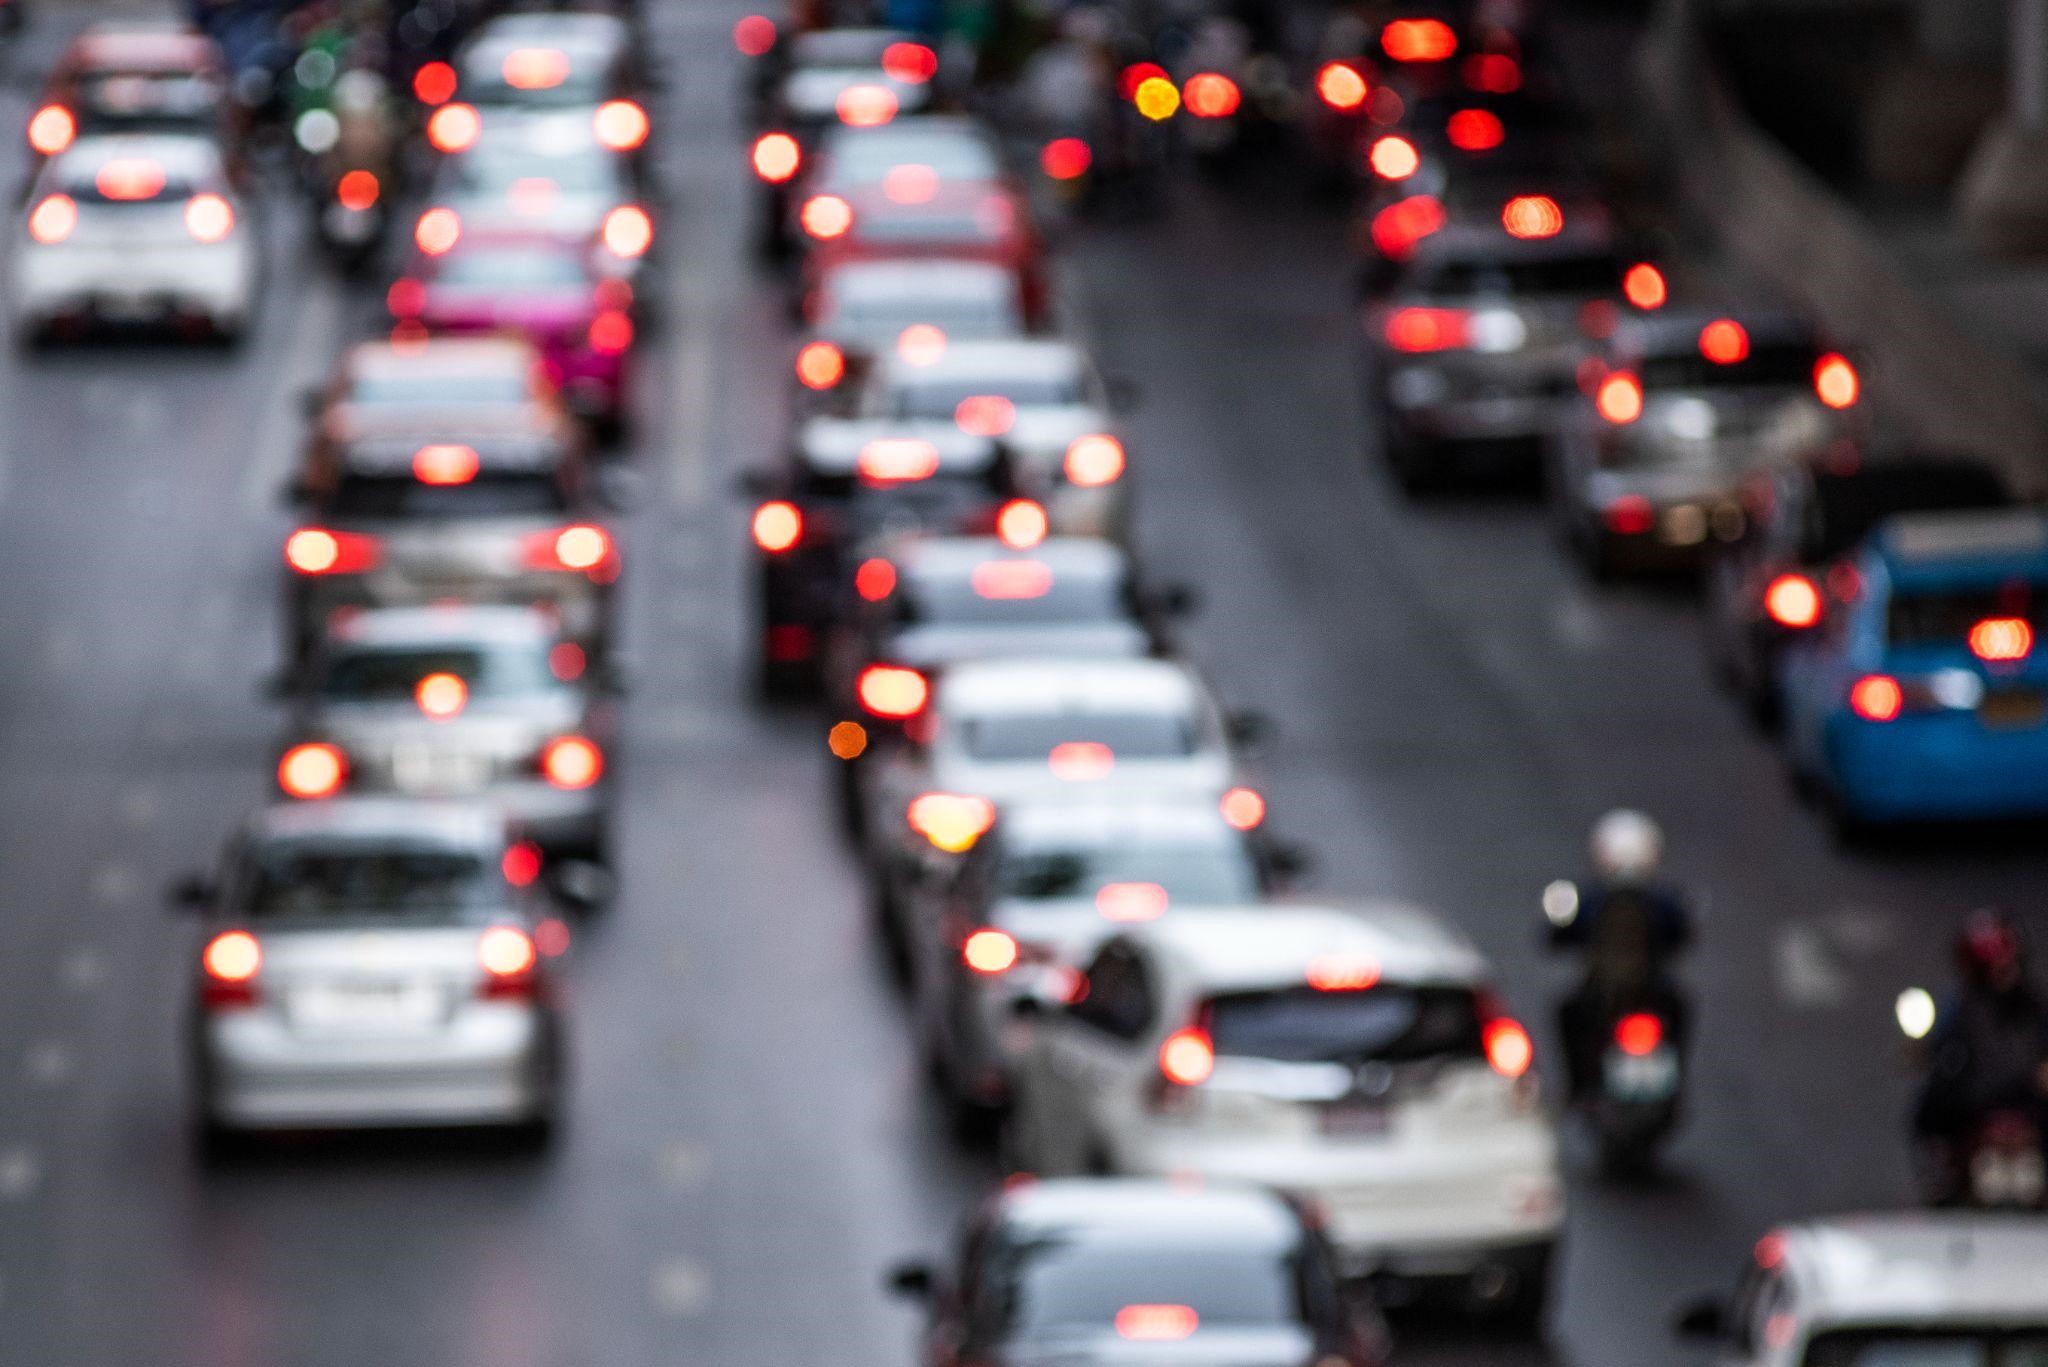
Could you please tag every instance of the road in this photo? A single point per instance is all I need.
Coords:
(749, 1146)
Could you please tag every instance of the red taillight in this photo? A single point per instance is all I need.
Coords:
(874, 580)
(454, 127)
(231, 961)
(1725, 342)
(357, 190)
(1211, 95)
(441, 696)
(434, 83)
(1793, 600)
(582, 548)
(989, 952)
(1187, 1057)
(2002, 640)
(1156, 1323)
(53, 219)
(1131, 901)
(1394, 158)
(777, 158)
(620, 125)
(1341, 87)
(820, 365)
(316, 550)
(1639, 1034)
(1419, 40)
(406, 299)
(1243, 809)
(1836, 382)
(1418, 330)
(628, 231)
(571, 763)
(1081, 761)
(1644, 286)
(754, 35)
(985, 415)
(1877, 697)
(825, 217)
(1398, 228)
(209, 218)
(438, 231)
(521, 864)
(952, 823)
(312, 770)
(1509, 1051)
(865, 106)
(1021, 524)
(1475, 130)
(910, 63)
(1620, 398)
(1343, 972)
(611, 333)
(1135, 75)
(1532, 217)
(510, 962)
(1066, 158)
(778, 526)
(1094, 461)
(892, 692)
(445, 463)
(52, 129)
(1629, 515)
(1494, 73)
(896, 460)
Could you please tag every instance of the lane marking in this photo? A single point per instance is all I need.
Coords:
(1809, 976)
(49, 1063)
(82, 968)
(682, 1164)
(21, 1172)
(113, 884)
(680, 1288)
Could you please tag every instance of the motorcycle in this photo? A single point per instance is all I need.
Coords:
(2000, 1163)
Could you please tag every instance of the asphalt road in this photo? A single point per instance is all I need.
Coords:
(749, 1146)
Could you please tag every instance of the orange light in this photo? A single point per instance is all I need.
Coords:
(910, 183)
(438, 231)
(1340, 86)
(441, 696)
(1508, 1047)
(897, 460)
(1395, 158)
(2001, 639)
(1343, 972)
(628, 231)
(454, 127)
(313, 769)
(357, 191)
(777, 157)
(571, 763)
(892, 692)
(754, 35)
(875, 579)
(826, 217)
(951, 822)
(129, 179)
(820, 365)
(506, 952)
(847, 740)
(1837, 382)
(1156, 1323)
(1397, 228)
(445, 463)
(620, 125)
(1094, 461)
(52, 129)
(1156, 98)
(1530, 217)
(53, 219)
(1081, 761)
(1724, 342)
(434, 83)
(315, 550)
(985, 415)
(1644, 286)
(1011, 580)
(1125, 902)
(989, 952)
(1187, 1057)
(1638, 1034)
(1493, 73)
(1021, 524)
(233, 956)
(1419, 40)
(1066, 158)
(535, 68)
(1620, 399)
(1877, 697)
(1210, 95)
(921, 344)
(778, 526)
(910, 63)
(611, 333)
(582, 547)
(1243, 809)
(1475, 130)
(1793, 600)
(865, 106)
(1418, 330)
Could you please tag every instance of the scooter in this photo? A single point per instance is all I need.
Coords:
(2001, 1161)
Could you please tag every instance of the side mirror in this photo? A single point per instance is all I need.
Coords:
(1250, 730)
(582, 884)
(913, 1281)
(194, 892)
(1287, 863)
(296, 493)
(1175, 600)
(1124, 394)
(1703, 1321)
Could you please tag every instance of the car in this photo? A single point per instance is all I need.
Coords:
(1032, 900)
(1043, 398)
(1921, 694)
(1355, 1057)
(1680, 407)
(1862, 1290)
(136, 230)
(1458, 134)
(488, 704)
(1098, 1271)
(1799, 518)
(370, 963)
(846, 481)
(1473, 332)
(964, 221)
(133, 76)
(531, 285)
(561, 59)
(507, 517)
(910, 156)
(915, 309)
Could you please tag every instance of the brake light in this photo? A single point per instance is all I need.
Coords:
(1341, 87)
(1793, 600)
(1639, 1034)
(521, 864)
(1394, 158)
(129, 179)
(865, 106)
(52, 129)
(1398, 228)
(357, 191)
(874, 580)
(1644, 286)
(231, 961)
(1509, 1051)
(1836, 382)
(1629, 515)
(571, 763)
(620, 125)
(820, 365)
(1494, 73)
(1724, 342)
(406, 299)
(581, 547)
(911, 183)
(2000, 640)
(777, 157)
(1417, 330)
(445, 463)
(454, 127)
(892, 692)
(312, 769)
(53, 219)
(1620, 398)
(1011, 580)
(778, 526)
(754, 35)
(535, 68)
(1243, 809)
(441, 696)
(1532, 217)
(316, 550)
(1135, 75)
(1343, 972)
(989, 952)
(611, 333)
(825, 217)
(1066, 158)
(951, 822)
(910, 63)
(1419, 40)
(921, 344)
(508, 958)
(1021, 524)
(897, 460)
(1211, 95)
(209, 218)
(1131, 901)
(1475, 130)
(434, 83)
(1877, 697)
(1094, 461)
(985, 415)
(1081, 761)
(628, 231)
(1156, 1323)
(1187, 1057)
(438, 231)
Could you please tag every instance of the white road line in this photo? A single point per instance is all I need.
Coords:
(82, 969)
(279, 429)
(113, 885)
(49, 1063)
(682, 1164)
(679, 1288)
(21, 1172)
(1808, 973)
(689, 424)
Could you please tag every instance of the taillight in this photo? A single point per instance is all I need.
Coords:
(1156, 1323)
(1126, 902)
(1340, 86)
(1210, 95)
(628, 231)
(434, 83)
(1495, 73)
(454, 127)
(1793, 600)
(1094, 461)
(620, 125)
(1877, 697)
(445, 463)
(581, 548)
(314, 769)
(406, 299)
(777, 157)
(865, 106)
(1532, 217)
(989, 952)
(1394, 158)
(231, 961)
(317, 551)
(892, 691)
(1397, 228)
(910, 63)
(1629, 515)
(778, 526)
(521, 864)
(53, 219)
(611, 333)
(571, 763)
(357, 191)
(825, 217)
(1187, 1057)
(1509, 1051)
(438, 231)
(1638, 1034)
(1724, 342)
(874, 580)
(1066, 158)
(921, 344)
(2002, 640)
(510, 962)
(1419, 40)
(1836, 382)
(897, 460)
(952, 822)
(1645, 287)
(1243, 809)
(1620, 399)
(820, 365)
(1420, 330)
(754, 35)
(209, 218)
(1475, 130)
(441, 696)
(52, 129)
(1021, 524)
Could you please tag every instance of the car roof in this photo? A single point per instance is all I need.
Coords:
(1018, 358)
(892, 280)
(1264, 948)
(2013, 540)
(1919, 1267)
(454, 356)
(1064, 823)
(405, 820)
(956, 557)
(183, 156)
(832, 446)
(445, 624)
(139, 45)
(1034, 687)
(1149, 1211)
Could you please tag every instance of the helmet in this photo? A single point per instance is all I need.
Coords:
(1989, 949)
(1626, 847)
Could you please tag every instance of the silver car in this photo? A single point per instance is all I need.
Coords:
(136, 230)
(373, 963)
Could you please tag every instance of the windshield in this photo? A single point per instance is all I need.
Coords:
(391, 674)
(1934, 1348)
(942, 398)
(1011, 593)
(488, 495)
(1210, 873)
(1127, 735)
(1383, 1024)
(1776, 367)
(1921, 618)
(512, 270)
(347, 883)
(1059, 1284)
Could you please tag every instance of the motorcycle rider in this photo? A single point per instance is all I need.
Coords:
(1628, 926)
(1987, 1052)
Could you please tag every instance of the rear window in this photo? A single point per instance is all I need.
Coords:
(537, 76)
(493, 169)
(1847, 507)
(130, 181)
(867, 159)
(1061, 1284)
(392, 390)
(933, 225)
(1572, 276)
(391, 675)
(1211, 874)
(134, 101)
(1127, 735)
(1944, 619)
(512, 270)
(341, 883)
(960, 317)
(489, 495)
(1010, 593)
(1905, 1348)
(1380, 1024)
(941, 398)
(1776, 367)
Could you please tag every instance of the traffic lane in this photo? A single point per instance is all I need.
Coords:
(1456, 707)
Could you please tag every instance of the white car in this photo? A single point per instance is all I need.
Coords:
(1043, 399)
(1356, 1058)
(135, 230)
(1921, 1288)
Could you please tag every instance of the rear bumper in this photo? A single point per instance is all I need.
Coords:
(141, 288)
(1936, 768)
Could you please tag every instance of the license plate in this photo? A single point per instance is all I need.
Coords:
(1641, 1077)
(365, 1008)
(2011, 711)
(424, 769)
(1355, 1120)
(129, 308)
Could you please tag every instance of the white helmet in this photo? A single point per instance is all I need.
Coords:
(1627, 847)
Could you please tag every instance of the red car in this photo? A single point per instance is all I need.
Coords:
(926, 220)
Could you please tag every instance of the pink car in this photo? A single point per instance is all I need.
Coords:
(530, 285)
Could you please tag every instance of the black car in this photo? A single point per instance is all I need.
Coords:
(1087, 1272)
(1801, 519)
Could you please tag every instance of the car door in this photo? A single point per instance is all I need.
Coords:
(1084, 1055)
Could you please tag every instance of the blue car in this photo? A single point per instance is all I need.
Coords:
(1923, 692)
